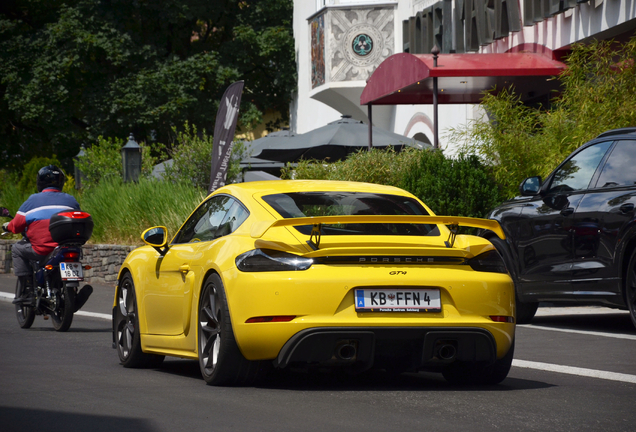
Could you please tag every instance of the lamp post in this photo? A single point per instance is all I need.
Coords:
(131, 160)
(435, 52)
(77, 171)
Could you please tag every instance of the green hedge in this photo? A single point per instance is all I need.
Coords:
(460, 186)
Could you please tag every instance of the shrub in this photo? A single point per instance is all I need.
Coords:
(192, 158)
(10, 196)
(375, 166)
(16, 189)
(462, 186)
(103, 160)
(27, 184)
(307, 169)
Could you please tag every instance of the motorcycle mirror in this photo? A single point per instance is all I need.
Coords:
(4, 212)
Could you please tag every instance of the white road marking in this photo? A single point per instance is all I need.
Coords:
(95, 315)
(591, 333)
(9, 297)
(591, 373)
(577, 310)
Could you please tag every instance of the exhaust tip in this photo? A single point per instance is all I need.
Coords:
(346, 350)
(446, 352)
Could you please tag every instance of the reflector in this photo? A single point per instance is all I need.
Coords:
(499, 318)
(282, 318)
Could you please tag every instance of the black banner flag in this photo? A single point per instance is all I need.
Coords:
(224, 128)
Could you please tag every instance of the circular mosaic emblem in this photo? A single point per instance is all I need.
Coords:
(362, 45)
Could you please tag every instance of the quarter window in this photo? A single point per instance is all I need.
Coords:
(215, 218)
(619, 168)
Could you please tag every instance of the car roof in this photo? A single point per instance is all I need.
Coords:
(621, 131)
(261, 188)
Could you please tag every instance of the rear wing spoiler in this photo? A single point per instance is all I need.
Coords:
(259, 229)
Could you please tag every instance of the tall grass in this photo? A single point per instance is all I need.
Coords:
(12, 198)
(121, 212)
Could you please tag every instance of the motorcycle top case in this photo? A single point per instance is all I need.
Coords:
(71, 227)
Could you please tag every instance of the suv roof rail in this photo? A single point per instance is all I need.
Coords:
(621, 131)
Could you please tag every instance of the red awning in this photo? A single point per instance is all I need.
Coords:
(461, 78)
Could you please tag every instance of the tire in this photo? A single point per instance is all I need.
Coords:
(463, 373)
(220, 359)
(630, 287)
(24, 314)
(525, 311)
(63, 313)
(126, 329)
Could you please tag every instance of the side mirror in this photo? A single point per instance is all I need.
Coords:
(530, 186)
(157, 237)
(4, 212)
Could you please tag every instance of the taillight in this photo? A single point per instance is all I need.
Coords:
(264, 260)
(71, 256)
(75, 214)
(488, 262)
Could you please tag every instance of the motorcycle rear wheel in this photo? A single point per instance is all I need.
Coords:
(24, 314)
(63, 313)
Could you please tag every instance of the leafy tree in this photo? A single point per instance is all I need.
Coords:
(74, 70)
(517, 141)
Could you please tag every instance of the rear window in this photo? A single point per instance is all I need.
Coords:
(308, 204)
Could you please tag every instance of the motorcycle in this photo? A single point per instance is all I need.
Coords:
(53, 287)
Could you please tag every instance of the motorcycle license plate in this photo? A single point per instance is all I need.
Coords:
(71, 271)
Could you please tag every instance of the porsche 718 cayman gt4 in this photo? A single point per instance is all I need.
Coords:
(317, 273)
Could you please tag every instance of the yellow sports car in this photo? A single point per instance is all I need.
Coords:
(317, 273)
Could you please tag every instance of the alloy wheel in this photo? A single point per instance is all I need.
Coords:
(126, 327)
(209, 329)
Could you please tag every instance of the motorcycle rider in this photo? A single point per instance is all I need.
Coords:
(33, 219)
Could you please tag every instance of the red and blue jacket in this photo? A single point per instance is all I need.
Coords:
(34, 216)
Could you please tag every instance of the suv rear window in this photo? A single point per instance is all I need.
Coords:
(307, 204)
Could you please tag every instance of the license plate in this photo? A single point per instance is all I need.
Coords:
(398, 300)
(71, 271)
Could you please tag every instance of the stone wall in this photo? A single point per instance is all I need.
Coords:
(105, 260)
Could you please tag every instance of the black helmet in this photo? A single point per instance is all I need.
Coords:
(50, 176)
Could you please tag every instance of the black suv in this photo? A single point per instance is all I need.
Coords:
(572, 237)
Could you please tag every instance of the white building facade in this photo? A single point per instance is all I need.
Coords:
(340, 43)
